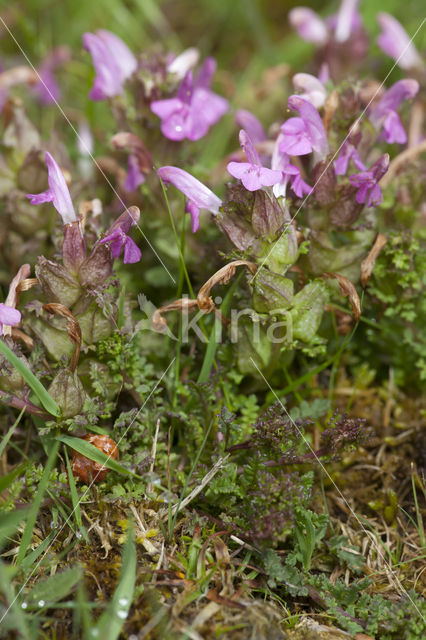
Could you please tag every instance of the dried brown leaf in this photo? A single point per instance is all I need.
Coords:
(347, 289)
(367, 265)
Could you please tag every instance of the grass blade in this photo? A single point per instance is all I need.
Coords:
(46, 400)
(90, 451)
(112, 620)
(35, 505)
(3, 443)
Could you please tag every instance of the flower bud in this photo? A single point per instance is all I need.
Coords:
(57, 283)
(68, 392)
(87, 470)
(95, 269)
(347, 210)
(324, 179)
(73, 247)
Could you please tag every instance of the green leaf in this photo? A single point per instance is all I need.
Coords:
(5, 440)
(112, 620)
(90, 451)
(46, 400)
(9, 523)
(6, 481)
(55, 587)
(35, 505)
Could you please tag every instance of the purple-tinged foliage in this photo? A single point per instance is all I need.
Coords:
(113, 61)
(384, 116)
(369, 192)
(199, 196)
(57, 193)
(251, 173)
(195, 108)
(396, 42)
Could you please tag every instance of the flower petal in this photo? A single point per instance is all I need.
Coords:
(194, 190)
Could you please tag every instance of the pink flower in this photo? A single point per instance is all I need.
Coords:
(251, 173)
(395, 41)
(57, 193)
(369, 191)
(134, 177)
(195, 108)
(199, 196)
(113, 61)
(254, 128)
(384, 114)
(289, 173)
(8, 316)
(348, 152)
(306, 133)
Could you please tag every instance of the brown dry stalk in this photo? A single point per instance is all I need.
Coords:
(347, 289)
(367, 265)
(73, 328)
(406, 156)
(203, 301)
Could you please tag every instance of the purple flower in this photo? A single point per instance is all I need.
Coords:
(289, 172)
(8, 316)
(251, 173)
(308, 25)
(254, 128)
(57, 193)
(395, 41)
(312, 28)
(195, 108)
(347, 20)
(199, 196)
(47, 89)
(134, 177)
(313, 89)
(348, 152)
(118, 239)
(369, 191)
(113, 62)
(384, 114)
(306, 133)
